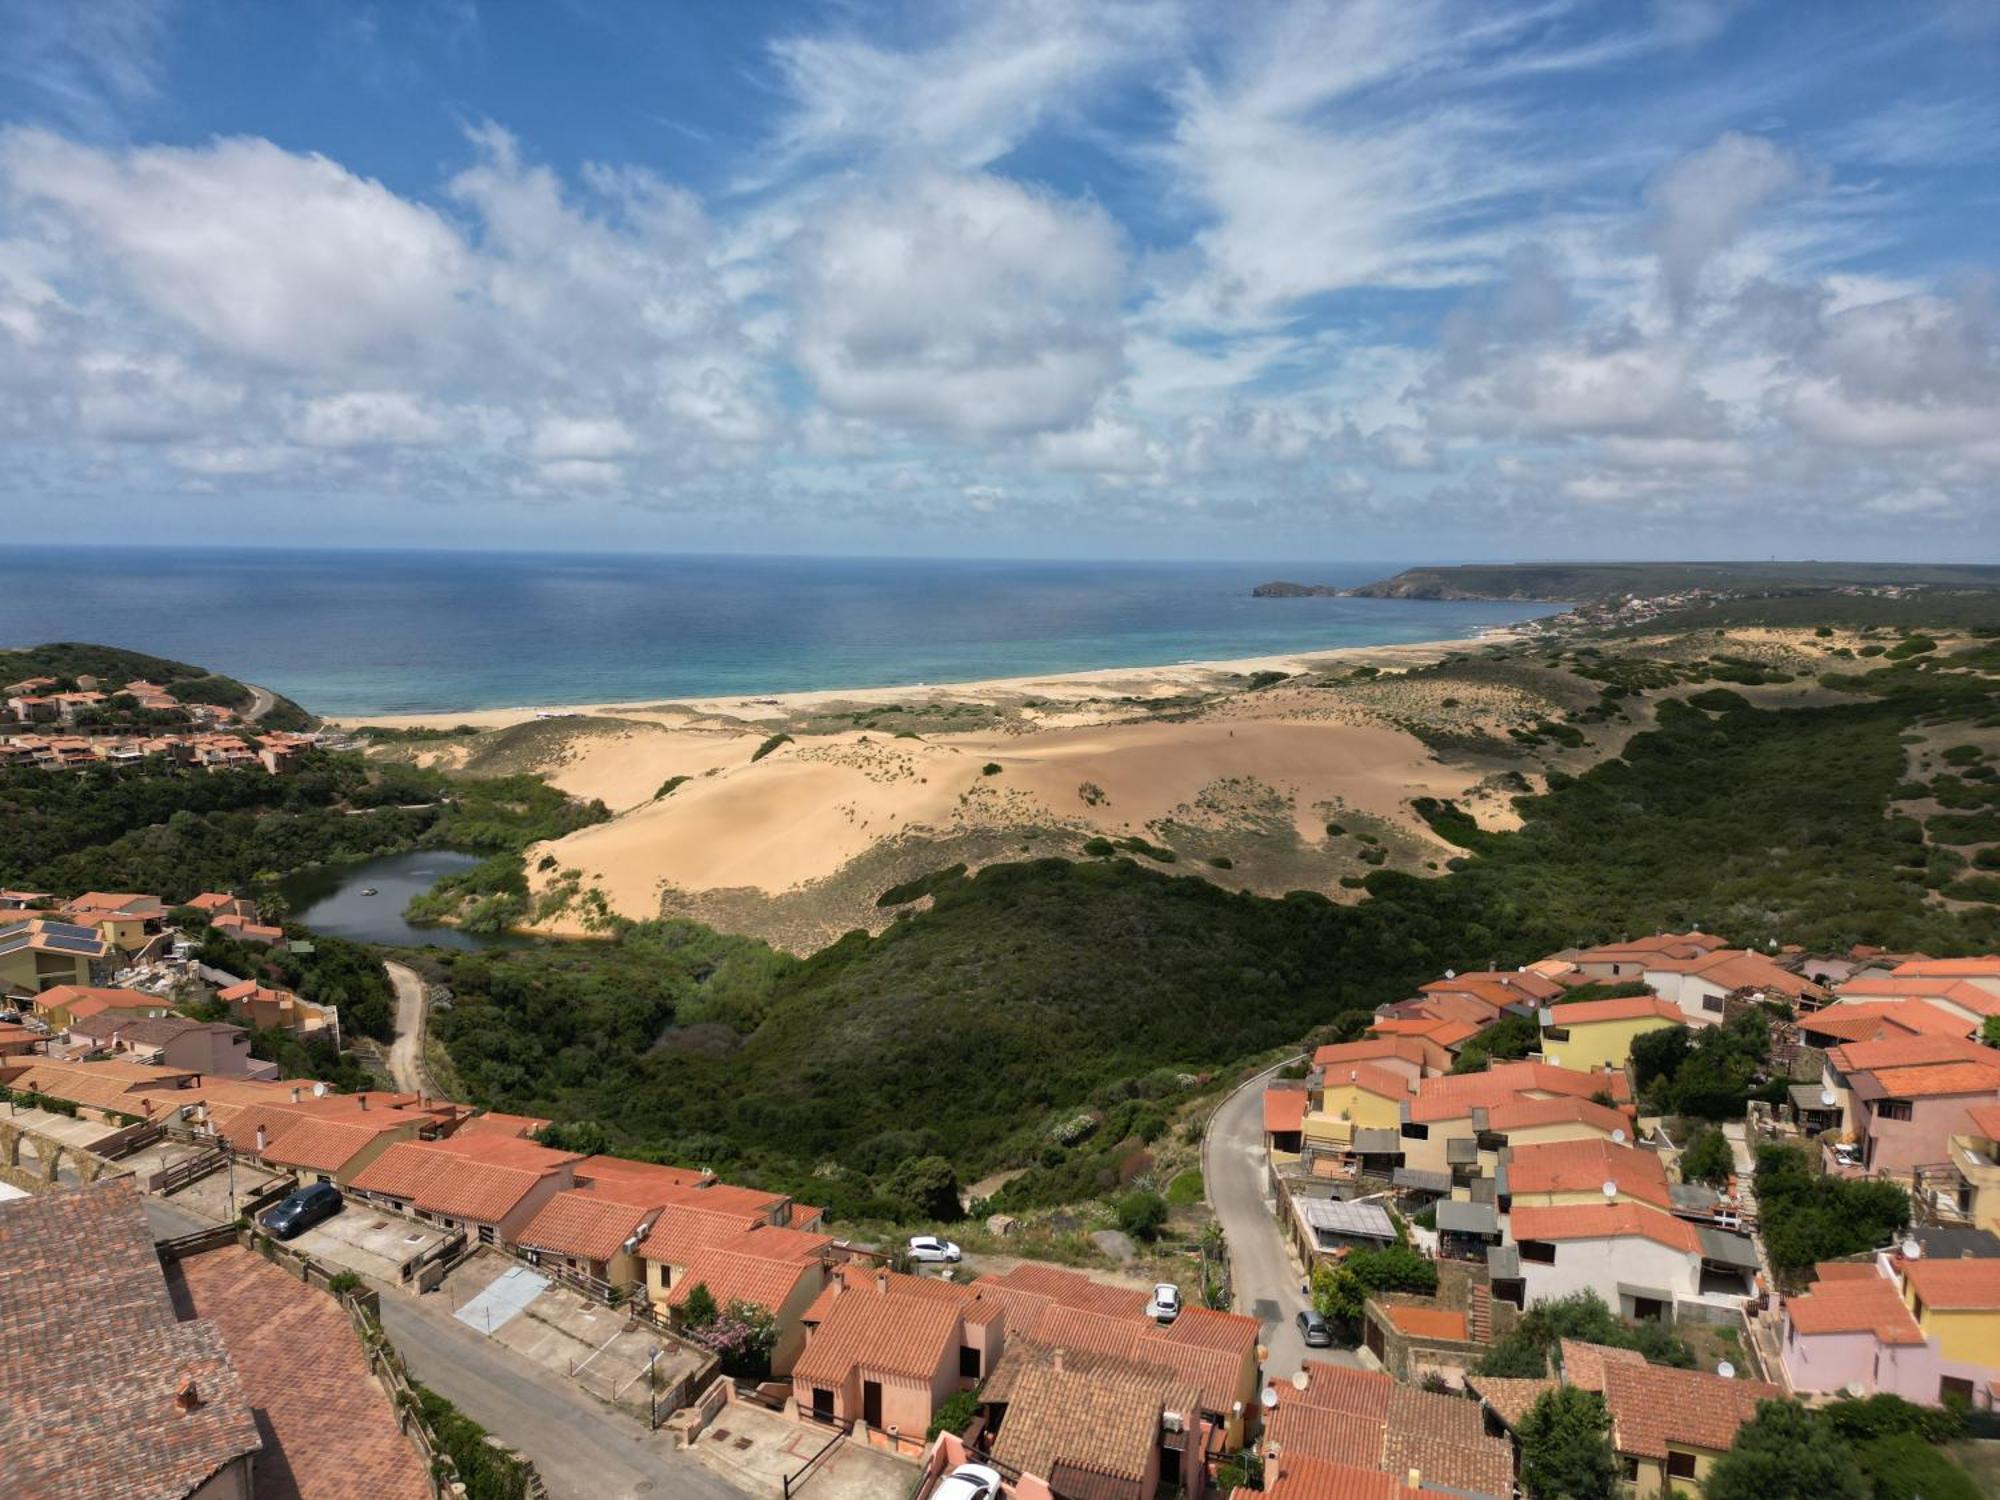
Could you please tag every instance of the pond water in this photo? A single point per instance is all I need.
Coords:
(333, 899)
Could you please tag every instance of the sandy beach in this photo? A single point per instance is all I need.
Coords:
(1074, 686)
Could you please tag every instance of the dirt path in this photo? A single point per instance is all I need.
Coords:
(406, 1053)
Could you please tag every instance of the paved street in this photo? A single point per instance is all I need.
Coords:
(1266, 1278)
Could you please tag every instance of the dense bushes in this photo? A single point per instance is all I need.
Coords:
(1808, 1217)
(1527, 1350)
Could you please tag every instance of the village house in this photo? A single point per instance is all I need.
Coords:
(268, 1008)
(1969, 1187)
(1957, 1304)
(1347, 1420)
(213, 1048)
(782, 1271)
(1669, 1426)
(131, 924)
(1903, 1099)
(213, 904)
(1701, 986)
(1642, 1261)
(1593, 1171)
(1593, 1034)
(698, 1212)
(1952, 991)
(487, 1185)
(331, 1137)
(1852, 1329)
(247, 930)
(37, 954)
(64, 1005)
(1447, 1128)
(1879, 1020)
(1625, 963)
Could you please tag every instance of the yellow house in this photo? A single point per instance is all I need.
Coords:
(37, 954)
(1957, 1302)
(62, 1004)
(1357, 1096)
(1668, 1426)
(1593, 1034)
(1460, 1120)
(1975, 1158)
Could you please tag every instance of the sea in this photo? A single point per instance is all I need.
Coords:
(359, 631)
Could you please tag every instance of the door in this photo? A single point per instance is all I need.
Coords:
(822, 1403)
(871, 1402)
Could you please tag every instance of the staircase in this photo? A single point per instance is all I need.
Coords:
(1479, 1314)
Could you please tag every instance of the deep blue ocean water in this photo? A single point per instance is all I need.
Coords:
(369, 631)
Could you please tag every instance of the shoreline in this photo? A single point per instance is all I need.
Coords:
(1068, 686)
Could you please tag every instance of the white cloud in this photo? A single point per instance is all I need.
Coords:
(582, 437)
(1704, 201)
(354, 419)
(967, 303)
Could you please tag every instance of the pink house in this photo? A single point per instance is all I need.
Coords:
(1853, 1332)
(1904, 1098)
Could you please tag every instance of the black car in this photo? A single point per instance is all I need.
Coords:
(1317, 1332)
(299, 1212)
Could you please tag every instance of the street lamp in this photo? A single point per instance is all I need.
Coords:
(652, 1392)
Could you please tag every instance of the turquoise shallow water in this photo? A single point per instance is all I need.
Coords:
(354, 631)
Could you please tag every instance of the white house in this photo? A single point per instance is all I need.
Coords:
(1642, 1262)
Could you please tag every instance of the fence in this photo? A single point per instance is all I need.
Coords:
(794, 1481)
(172, 1179)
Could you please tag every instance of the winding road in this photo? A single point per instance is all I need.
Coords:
(406, 1053)
(1263, 1275)
(262, 701)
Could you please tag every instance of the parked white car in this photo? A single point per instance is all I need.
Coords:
(929, 1248)
(1166, 1303)
(968, 1482)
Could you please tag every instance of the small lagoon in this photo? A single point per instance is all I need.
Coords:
(331, 899)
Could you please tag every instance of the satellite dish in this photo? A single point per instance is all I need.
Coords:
(319, 1091)
(1611, 1190)
(1618, 1136)
(1300, 1380)
(1726, 1370)
(1912, 1250)
(1269, 1398)
(1828, 1096)
(1855, 1390)
(1451, 973)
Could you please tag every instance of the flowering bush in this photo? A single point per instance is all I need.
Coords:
(742, 1336)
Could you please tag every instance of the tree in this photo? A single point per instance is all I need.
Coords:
(585, 1137)
(742, 1337)
(699, 1310)
(1905, 1467)
(1708, 1158)
(926, 1187)
(1989, 1031)
(1340, 1291)
(1786, 1452)
(1659, 1054)
(1566, 1447)
(1141, 1213)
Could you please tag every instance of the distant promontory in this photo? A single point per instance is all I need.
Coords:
(1578, 582)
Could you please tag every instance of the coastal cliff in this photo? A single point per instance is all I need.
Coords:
(1283, 590)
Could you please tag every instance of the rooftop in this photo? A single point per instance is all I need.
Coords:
(1652, 1406)
(1955, 1285)
(1600, 1221)
(1368, 1420)
(1628, 1008)
(1857, 1304)
(1096, 1412)
(1585, 1166)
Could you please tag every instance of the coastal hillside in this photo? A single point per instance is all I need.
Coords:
(1588, 582)
(71, 663)
(798, 820)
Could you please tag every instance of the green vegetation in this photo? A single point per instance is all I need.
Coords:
(1186, 1188)
(1339, 1292)
(954, 1415)
(1707, 1074)
(1566, 1449)
(1708, 1159)
(114, 666)
(1528, 1349)
(769, 745)
(1573, 581)
(1786, 1452)
(1142, 1213)
(1808, 1217)
(991, 768)
(1508, 1039)
(923, 885)
(336, 972)
(668, 786)
(486, 1472)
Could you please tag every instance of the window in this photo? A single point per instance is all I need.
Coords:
(1712, 1004)
(1415, 1132)
(485, 1234)
(1539, 1251)
(1680, 1465)
(968, 1361)
(1555, 1033)
(1631, 1468)
(1893, 1109)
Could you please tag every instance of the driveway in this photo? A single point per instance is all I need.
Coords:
(1263, 1273)
(406, 1053)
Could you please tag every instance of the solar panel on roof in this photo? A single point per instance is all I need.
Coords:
(72, 944)
(68, 929)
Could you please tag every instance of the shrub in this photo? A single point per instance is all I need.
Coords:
(1186, 1188)
(1142, 1213)
(1708, 1158)
(991, 768)
(954, 1415)
(1099, 848)
(1566, 1447)
(668, 785)
(769, 745)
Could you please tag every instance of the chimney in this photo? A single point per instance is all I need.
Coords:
(263, 1139)
(882, 1282)
(362, 1099)
(1416, 1480)
(1056, 1362)
(188, 1398)
(297, 1093)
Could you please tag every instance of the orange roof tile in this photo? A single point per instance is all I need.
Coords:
(1987, 967)
(905, 1338)
(1284, 1110)
(1427, 1322)
(1070, 1412)
(1925, 1082)
(1629, 1008)
(578, 1223)
(1585, 1166)
(732, 1277)
(1908, 1051)
(1600, 1221)
(1956, 1285)
(1854, 1305)
(681, 1232)
(1524, 1114)
(481, 1178)
(1583, 1364)
(1653, 1405)
(1958, 992)
(1986, 1120)
(1367, 1077)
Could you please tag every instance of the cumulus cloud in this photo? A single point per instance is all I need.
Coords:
(968, 303)
(1704, 201)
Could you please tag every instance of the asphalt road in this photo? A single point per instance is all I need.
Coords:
(1265, 1278)
(262, 701)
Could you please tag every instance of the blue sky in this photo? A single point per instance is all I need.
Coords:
(1368, 280)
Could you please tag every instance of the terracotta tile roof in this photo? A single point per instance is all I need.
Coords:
(1210, 1352)
(1959, 992)
(1356, 1417)
(900, 1338)
(735, 1277)
(72, 995)
(88, 1405)
(481, 1178)
(1370, 1049)
(1738, 969)
(855, 1276)
(1846, 1270)
(1510, 1398)
(1596, 1221)
(1670, 943)
(1877, 1020)
(1284, 1110)
(1986, 1120)
(1454, 1096)
(1855, 1305)
(317, 1145)
(1369, 1078)
(1584, 1364)
(1072, 1289)
(493, 1122)
(1908, 1051)
(1211, 1328)
(210, 900)
(680, 1232)
(583, 1225)
(1956, 1285)
(1652, 1406)
(1940, 1078)
(1426, 1322)
(1521, 983)
(332, 1429)
(1524, 1114)
(1949, 968)
(1629, 1008)
(1093, 1412)
(1585, 1166)
(1301, 1478)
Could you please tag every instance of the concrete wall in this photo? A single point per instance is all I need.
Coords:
(1600, 1265)
(1598, 1044)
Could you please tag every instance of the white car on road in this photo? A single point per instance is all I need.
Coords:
(929, 1248)
(1166, 1303)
